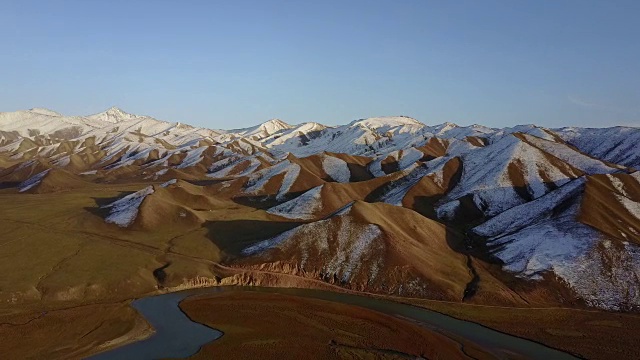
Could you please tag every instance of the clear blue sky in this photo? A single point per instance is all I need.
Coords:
(226, 64)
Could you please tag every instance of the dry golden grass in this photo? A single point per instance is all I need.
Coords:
(276, 326)
(57, 252)
(590, 334)
(72, 333)
(57, 247)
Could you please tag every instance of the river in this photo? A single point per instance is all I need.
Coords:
(177, 336)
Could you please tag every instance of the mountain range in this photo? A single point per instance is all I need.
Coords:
(520, 215)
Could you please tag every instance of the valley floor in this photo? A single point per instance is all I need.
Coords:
(275, 325)
(61, 299)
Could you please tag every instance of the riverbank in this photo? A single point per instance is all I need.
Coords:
(72, 333)
(590, 334)
(286, 320)
(79, 331)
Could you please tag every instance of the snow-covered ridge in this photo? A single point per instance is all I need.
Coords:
(370, 137)
(525, 182)
(387, 122)
(546, 236)
(124, 211)
(118, 139)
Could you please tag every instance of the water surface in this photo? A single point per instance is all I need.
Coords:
(178, 337)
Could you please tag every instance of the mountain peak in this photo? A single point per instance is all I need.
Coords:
(446, 126)
(113, 115)
(115, 109)
(274, 125)
(263, 130)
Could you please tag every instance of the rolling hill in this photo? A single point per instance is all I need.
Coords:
(516, 216)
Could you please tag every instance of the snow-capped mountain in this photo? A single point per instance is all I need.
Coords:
(261, 131)
(528, 198)
(114, 115)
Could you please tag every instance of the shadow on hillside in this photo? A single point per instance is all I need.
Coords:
(263, 202)
(467, 215)
(390, 165)
(9, 184)
(205, 182)
(359, 172)
(378, 193)
(462, 240)
(234, 236)
(457, 242)
(99, 209)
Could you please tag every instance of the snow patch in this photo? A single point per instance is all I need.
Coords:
(193, 158)
(303, 207)
(63, 161)
(448, 210)
(617, 184)
(398, 189)
(336, 168)
(258, 180)
(342, 245)
(170, 182)
(124, 211)
(289, 178)
(268, 244)
(32, 181)
(409, 157)
(632, 206)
